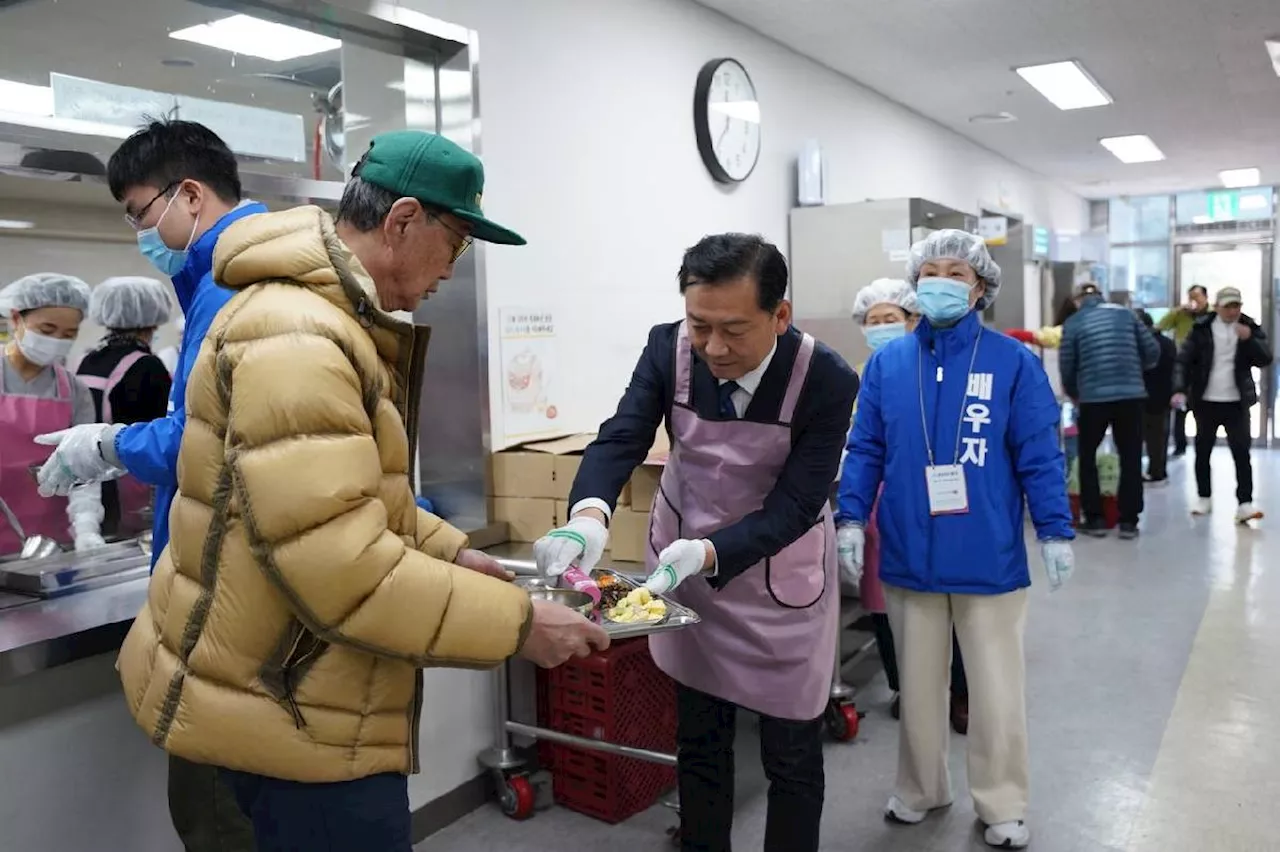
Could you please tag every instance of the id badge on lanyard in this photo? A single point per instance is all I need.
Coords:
(945, 483)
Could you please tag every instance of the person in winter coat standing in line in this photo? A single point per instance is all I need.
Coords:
(1155, 420)
(959, 424)
(1215, 375)
(1105, 350)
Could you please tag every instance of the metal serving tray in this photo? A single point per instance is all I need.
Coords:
(64, 573)
(676, 618)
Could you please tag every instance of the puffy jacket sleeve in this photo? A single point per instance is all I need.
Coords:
(437, 538)
(863, 467)
(1033, 445)
(1069, 362)
(305, 470)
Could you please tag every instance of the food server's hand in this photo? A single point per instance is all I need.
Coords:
(580, 541)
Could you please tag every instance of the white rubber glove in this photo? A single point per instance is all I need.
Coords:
(582, 540)
(84, 508)
(851, 541)
(678, 561)
(77, 459)
(1059, 562)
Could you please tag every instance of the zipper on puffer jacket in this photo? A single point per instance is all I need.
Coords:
(306, 647)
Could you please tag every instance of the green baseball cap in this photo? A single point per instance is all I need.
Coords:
(435, 171)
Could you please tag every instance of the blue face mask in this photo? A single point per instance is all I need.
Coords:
(879, 335)
(168, 261)
(943, 300)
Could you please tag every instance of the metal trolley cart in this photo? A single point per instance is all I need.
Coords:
(509, 769)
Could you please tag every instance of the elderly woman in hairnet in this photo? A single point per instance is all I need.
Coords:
(129, 384)
(886, 310)
(974, 437)
(38, 394)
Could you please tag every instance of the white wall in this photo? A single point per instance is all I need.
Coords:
(588, 143)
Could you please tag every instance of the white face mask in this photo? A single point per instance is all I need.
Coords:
(42, 349)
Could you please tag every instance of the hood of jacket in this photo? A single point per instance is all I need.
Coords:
(186, 284)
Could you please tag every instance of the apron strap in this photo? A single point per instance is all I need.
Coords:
(795, 384)
(684, 366)
(63, 380)
(117, 375)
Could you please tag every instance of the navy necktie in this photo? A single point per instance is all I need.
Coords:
(727, 411)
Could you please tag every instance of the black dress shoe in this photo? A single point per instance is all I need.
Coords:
(1093, 529)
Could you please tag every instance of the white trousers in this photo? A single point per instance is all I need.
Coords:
(990, 629)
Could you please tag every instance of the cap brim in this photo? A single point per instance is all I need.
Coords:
(489, 232)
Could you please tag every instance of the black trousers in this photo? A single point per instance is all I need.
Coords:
(1234, 418)
(1180, 430)
(1124, 418)
(889, 657)
(792, 755)
(367, 815)
(1156, 431)
(204, 810)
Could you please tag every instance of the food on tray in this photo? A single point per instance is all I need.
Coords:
(604, 581)
(638, 605)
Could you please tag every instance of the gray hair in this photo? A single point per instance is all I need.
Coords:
(364, 205)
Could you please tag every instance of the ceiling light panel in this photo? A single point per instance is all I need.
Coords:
(255, 37)
(1273, 49)
(25, 98)
(1066, 85)
(1240, 178)
(1133, 149)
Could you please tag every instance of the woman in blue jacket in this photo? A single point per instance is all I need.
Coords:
(974, 435)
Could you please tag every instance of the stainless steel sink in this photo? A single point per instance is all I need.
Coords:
(64, 573)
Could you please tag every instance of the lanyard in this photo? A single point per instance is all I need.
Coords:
(924, 423)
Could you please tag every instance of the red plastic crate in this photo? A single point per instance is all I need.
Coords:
(1110, 510)
(621, 697)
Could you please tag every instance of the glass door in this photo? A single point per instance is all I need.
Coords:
(1246, 266)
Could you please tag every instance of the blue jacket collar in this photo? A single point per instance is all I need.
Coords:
(946, 340)
(1090, 302)
(200, 255)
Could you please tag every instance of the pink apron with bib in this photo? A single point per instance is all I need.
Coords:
(767, 639)
(133, 495)
(21, 419)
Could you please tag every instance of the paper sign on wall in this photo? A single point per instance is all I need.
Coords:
(994, 230)
(528, 351)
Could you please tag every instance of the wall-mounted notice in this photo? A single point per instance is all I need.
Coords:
(528, 352)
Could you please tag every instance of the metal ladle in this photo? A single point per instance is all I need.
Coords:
(34, 547)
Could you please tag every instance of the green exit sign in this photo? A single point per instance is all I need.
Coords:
(1224, 206)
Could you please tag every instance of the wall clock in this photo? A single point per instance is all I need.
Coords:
(726, 120)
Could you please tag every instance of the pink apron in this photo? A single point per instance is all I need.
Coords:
(134, 496)
(21, 419)
(767, 639)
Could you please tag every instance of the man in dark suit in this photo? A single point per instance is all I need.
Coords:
(740, 530)
(1155, 419)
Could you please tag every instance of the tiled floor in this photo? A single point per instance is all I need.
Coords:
(1154, 706)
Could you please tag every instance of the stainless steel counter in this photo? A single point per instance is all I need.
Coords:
(518, 557)
(50, 632)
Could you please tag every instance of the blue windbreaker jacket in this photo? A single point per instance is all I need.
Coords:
(149, 450)
(1008, 447)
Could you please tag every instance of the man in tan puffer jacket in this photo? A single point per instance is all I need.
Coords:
(303, 591)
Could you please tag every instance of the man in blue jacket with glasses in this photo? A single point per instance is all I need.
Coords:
(180, 187)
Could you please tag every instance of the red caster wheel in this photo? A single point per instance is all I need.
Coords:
(517, 797)
(842, 721)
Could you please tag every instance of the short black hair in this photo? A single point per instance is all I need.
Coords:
(721, 258)
(170, 150)
(1146, 319)
(1200, 287)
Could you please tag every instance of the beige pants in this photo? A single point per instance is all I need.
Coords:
(990, 629)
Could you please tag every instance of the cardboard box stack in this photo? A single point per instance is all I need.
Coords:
(530, 492)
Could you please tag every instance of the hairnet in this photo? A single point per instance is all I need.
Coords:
(45, 290)
(884, 291)
(957, 245)
(130, 302)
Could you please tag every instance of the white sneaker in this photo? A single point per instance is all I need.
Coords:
(896, 811)
(1202, 506)
(1248, 512)
(1008, 835)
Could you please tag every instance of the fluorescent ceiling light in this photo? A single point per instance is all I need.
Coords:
(1240, 178)
(1133, 149)
(256, 37)
(1273, 48)
(1066, 85)
(748, 111)
(1202, 220)
(26, 98)
(16, 225)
